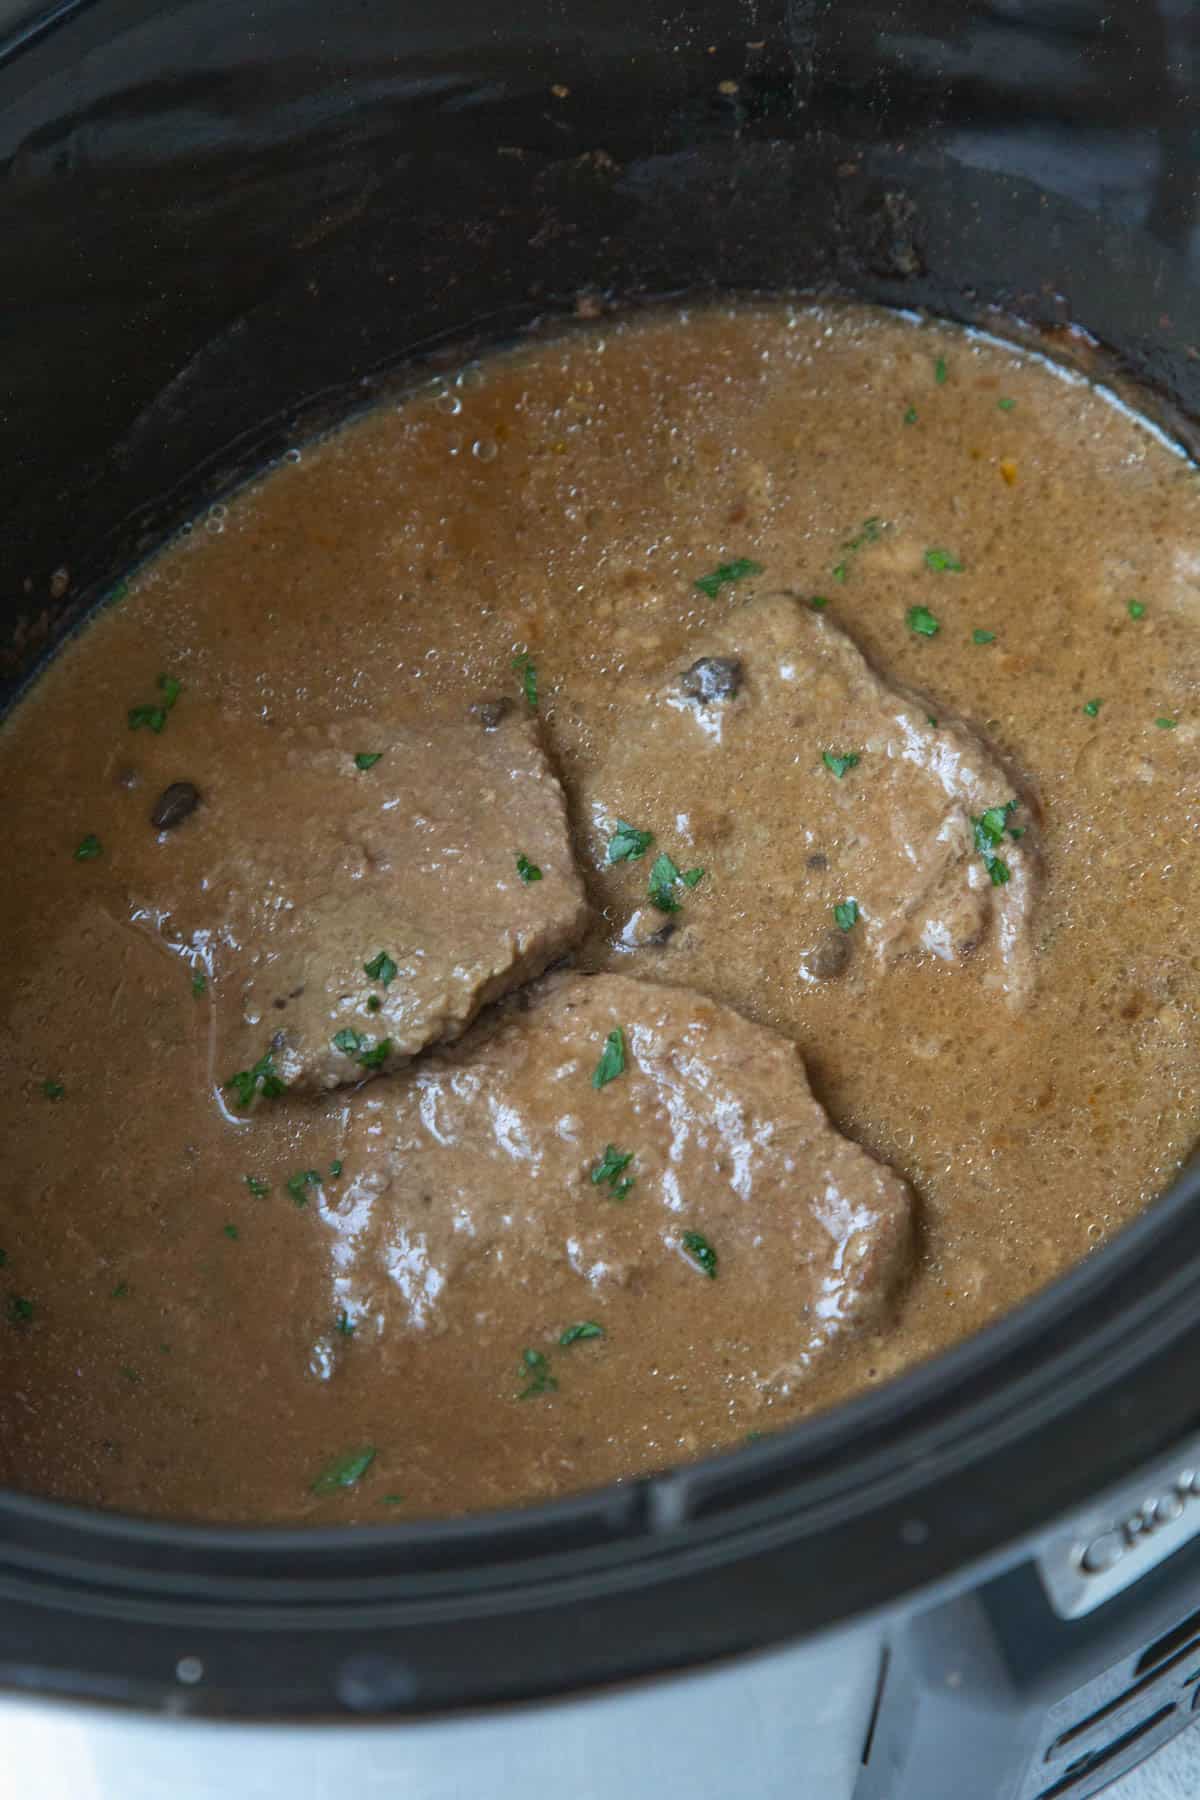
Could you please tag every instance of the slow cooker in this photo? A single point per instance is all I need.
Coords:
(229, 223)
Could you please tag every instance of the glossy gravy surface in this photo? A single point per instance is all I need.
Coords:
(173, 1337)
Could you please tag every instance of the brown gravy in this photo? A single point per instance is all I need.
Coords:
(165, 1340)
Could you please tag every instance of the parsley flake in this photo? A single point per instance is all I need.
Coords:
(1166, 724)
(257, 1188)
(3, 1258)
(261, 1078)
(526, 668)
(528, 871)
(231, 1232)
(610, 1168)
(344, 1325)
(943, 562)
(869, 532)
(940, 371)
(375, 1058)
(579, 1334)
(612, 1059)
(1006, 405)
(344, 1471)
(120, 1291)
(1092, 707)
(837, 765)
(701, 1253)
(366, 759)
(1137, 609)
(53, 1090)
(335, 1169)
(348, 1041)
(910, 416)
(818, 602)
(381, 968)
(153, 715)
(990, 828)
(663, 877)
(922, 621)
(737, 570)
(979, 636)
(299, 1184)
(627, 843)
(537, 1368)
(374, 1003)
(846, 914)
(199, 983)
(88, 848)
(20, 1310)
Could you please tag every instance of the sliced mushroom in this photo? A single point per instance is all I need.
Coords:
(712, 679)
(174, 805)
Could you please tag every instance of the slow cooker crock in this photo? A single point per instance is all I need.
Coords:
(226, 226)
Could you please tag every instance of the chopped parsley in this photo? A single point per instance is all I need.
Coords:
(537, 1368)
(610, 1168)
(627, 843)
(366, 759)
(1166, 724)
(931, 720)
(335, 1169)
(940, 371)
(20, 1310)
(231, 1232)
(922, 621)
(88, 848)
(528, 871)
(526, 668)
(1006, 405)
(53, 1090)
(1137, 609)
(261, 1078)
(818, 602)
(979, 636)
(943, 561)
(837, 765)
(612, 1059)
(664, 878)
(990, 828)
(578, 1334)
(737, 570)
(199, 983)
(257, 1188)
(299, 1184)
(392, 1500)
(344, 1471)
(154, 714)
(701, 1253)
(344, 1325)
(910, 416)
(381, 968)
(353, 1043)
(3, 1258)
(846, 914)
(120, 1291)
(374, 1003)
(1092, 707)
(868, 533)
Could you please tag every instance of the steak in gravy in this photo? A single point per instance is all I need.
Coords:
(613, 1149)
(888, 825)
(357, 904)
